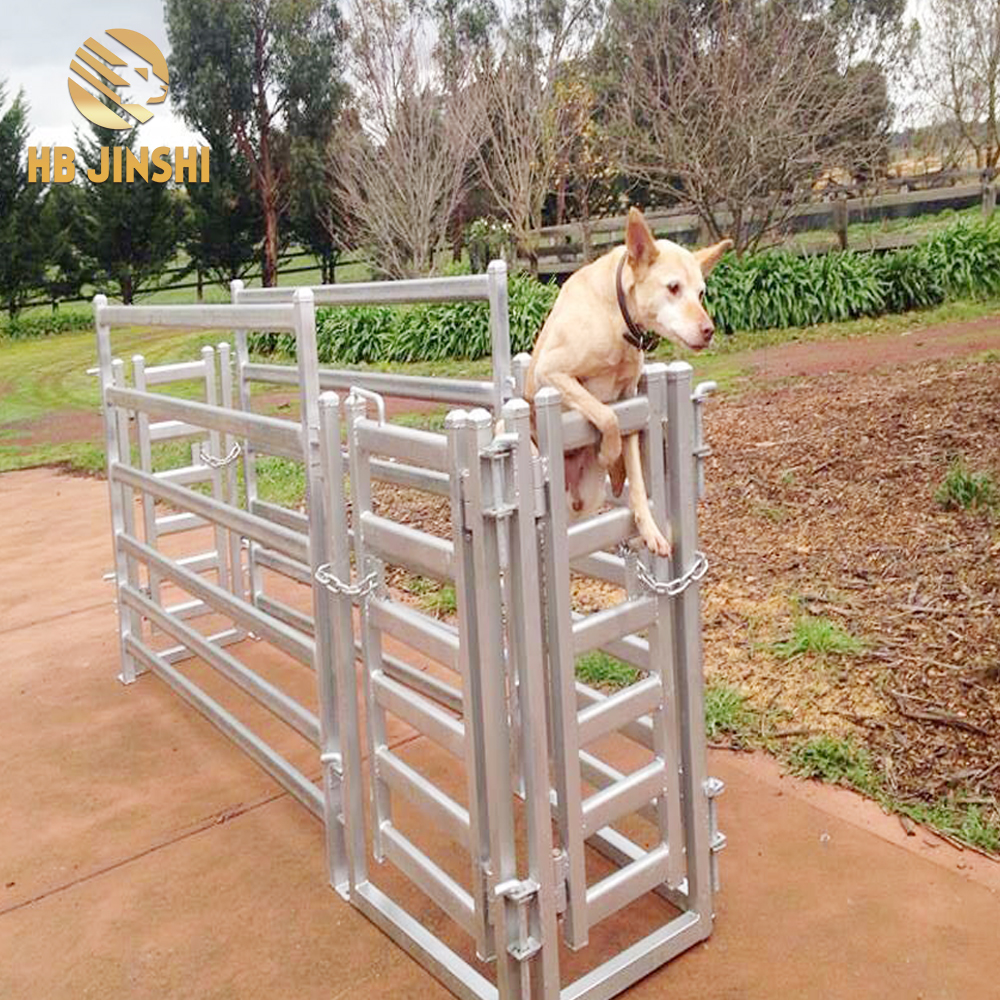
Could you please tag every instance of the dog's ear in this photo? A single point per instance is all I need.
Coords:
(639, 240)
(708, 257)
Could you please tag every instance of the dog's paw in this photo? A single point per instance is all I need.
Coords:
(611, 447)
(655, 540)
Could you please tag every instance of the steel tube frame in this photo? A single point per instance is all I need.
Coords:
(513, 648)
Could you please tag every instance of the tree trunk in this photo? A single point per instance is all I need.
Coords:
(269, 260)
(126, 286)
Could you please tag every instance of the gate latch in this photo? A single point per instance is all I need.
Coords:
(521, 893)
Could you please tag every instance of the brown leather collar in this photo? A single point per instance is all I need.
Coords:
(644, 340)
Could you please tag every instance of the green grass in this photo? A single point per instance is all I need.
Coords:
(964, 489)
(433, 421)
(727, 712)
(835, 760)
(602, 671)
(818, 637)
(281, 481)
(440, 601)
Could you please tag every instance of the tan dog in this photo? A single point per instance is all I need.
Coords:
(592, 345)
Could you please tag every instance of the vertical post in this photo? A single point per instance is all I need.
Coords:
(371, 639)
(687, 639)
(345, 805)
(496, 274)
(840, 219)
(666, 720)
(989, 196)
(304, 320)
(146, 464)
(525, 620)
(215, 449)
(256, 582)
(232, 489)
(562, 667)
(127, 494)
(459, 464)
(111, 446)
(520, 373)
(480, 502)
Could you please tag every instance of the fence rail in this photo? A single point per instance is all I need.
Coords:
(561, 249)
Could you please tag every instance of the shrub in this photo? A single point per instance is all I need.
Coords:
(962, 488)
(46, 324)
(365, 334)
(966, 256)
(909, 280)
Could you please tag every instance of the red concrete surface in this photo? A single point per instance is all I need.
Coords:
(142, 855)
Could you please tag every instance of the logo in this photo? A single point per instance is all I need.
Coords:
(98, 62)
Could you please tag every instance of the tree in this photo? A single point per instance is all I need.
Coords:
(519, 161)
(266, 72)
(126, 232)
(314, 213)
(399, 164)
(22, 251)
(741, 112)
(961, 72)
(224, 227)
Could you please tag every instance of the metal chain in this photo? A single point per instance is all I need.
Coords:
(324, 575)
(671, 588)
(220, 463)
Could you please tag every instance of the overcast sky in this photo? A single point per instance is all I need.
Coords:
(37, 42)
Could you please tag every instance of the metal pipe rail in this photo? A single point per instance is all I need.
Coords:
(459, 288)
(281, 437)
(516, 721)
(460, 392)
(201, 317)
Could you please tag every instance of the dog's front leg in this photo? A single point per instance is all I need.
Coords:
(599, 414)
(655, 540)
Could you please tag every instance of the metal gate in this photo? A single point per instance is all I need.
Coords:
(545, 774)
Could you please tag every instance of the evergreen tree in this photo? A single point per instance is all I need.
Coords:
(266, 72)
(126, 231)
(225, 226)
(22, 250)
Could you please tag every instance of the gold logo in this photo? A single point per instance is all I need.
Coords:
(100, 60)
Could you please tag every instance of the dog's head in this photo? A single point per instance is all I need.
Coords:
(667, 284)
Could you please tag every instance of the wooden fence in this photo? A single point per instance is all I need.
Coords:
(200, 281)
(561, 248)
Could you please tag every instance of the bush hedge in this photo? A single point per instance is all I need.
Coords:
(46, 324)
(365, 334)
(762, 291)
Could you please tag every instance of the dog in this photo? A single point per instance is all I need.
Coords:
(592, 346)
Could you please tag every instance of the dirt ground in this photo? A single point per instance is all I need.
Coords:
(821, 501)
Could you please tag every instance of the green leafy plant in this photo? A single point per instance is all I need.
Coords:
(966, 490)
(46, 324)
(440, 601)
(819, 637)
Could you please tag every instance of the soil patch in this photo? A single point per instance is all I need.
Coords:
(869, 353)
(57, 427)
(821, 502)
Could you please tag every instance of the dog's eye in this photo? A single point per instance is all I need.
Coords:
(701, 295)
(674, 288)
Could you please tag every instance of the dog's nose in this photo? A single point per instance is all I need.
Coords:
(707, 330)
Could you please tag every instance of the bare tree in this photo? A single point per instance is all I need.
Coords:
(526, 134)
(399, 164)
(739, 113)
(961, 71)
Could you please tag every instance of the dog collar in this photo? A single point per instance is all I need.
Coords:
(639, 338)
